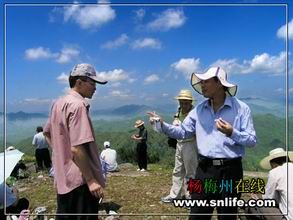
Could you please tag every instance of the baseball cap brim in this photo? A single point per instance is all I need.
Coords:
(98, 80)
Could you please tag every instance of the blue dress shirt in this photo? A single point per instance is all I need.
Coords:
(211, 142)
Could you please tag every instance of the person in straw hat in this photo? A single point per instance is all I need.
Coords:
(141, 148)
(224, 128)
(186, 152)
(278, 184)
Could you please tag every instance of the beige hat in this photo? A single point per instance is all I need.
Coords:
(210, 73)
(138, 123)
(185, 95)
(277, 152)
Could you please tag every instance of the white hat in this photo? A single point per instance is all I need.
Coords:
(138, 123)
(277, 152)
(10, 148)
(106, 144)
(210, 73)
(185, 95)
(88, 70)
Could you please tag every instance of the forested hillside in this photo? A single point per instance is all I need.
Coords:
(269, 128)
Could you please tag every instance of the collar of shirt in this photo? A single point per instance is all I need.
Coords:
(227, 102)
(77, 95)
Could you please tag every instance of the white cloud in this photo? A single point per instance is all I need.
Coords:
(39, 53)
(118, 93)
(290, 90)
(115, 75)
(64, 56)
(281, 33)
(63, 78)
(146, 43)
(87, 17)
(168, 19)
(37, 101)
(151, 79)
(187, 66)
(263, 63)
(139, 14)
(67, 54)
(165, 94)
(116, 43)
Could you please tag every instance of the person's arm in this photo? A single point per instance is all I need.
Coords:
(34, 141)
(270, 190)
(80, 158)
(185, 130)
(246, 135)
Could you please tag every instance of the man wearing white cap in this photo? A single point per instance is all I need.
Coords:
(279, 187)
(69, 131)
(224, 128)
(109, 156)
(186, 152)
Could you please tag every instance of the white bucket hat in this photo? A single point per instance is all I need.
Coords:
(275, 153)
(87, 70)
(185, 95)
(106, 144)
(210, 73)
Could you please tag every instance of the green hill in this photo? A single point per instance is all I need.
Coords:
(270, 132)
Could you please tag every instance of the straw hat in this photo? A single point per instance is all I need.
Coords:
(138, 123)
(185, 95)
(210, 73)
(277, 152)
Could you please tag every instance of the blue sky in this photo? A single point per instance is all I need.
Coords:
(147, 53)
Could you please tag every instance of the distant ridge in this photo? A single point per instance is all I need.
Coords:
(12, 116)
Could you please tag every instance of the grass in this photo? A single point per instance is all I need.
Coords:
(128, 192)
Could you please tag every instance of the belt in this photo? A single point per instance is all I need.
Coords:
(206, 161)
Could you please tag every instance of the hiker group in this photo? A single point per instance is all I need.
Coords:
(210, 139)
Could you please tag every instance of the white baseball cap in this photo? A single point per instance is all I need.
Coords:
(85, 69)
(106, 144)
(210, 73)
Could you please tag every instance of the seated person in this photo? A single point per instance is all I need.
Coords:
(14, 204)
(276, 187)
(109, 156)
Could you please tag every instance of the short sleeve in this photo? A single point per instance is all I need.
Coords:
(79, 125)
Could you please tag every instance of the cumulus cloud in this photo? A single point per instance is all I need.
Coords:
(63, 78)
(116, 43)
(118, 93)
(39, 53)
(37, 101)
(146, 43)
(151, 79)
(114, 76)
(187, 66)
(168, 19)
(67, 54)
(261, 63)
(281, 33)
(139, 14)
(93, 16)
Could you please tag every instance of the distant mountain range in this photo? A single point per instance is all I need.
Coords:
(257, 105)
(12, 116)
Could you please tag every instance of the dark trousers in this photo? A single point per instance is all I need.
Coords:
(78, 201)
(43, 157)
(232, 170)
(141, 149)
(22, 204)
(258, 213)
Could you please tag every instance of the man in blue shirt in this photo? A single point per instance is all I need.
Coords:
(223, 127)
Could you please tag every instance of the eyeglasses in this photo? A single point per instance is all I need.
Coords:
(90, 81)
